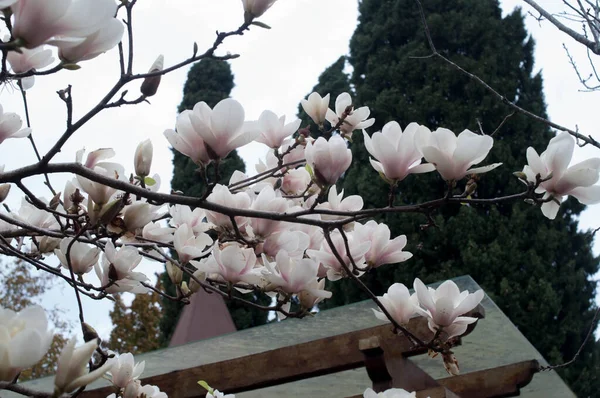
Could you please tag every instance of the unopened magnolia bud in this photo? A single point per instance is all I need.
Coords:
(520, 174)
(4, 189)
(175, 273)
(195, 286)
(255, 8)
(110, 211)
(54, 202)
(88, 332)
(150, 84)
(143, 158)
(470, 188)
(185, 289)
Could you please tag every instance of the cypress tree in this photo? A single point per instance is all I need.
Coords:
(537, 270)
(211, 81)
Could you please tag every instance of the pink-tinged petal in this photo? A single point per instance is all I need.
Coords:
(422, 168)
(441, 161)
(550, 209)
(377, 166)
(559, 153)
(227, 119)
(483, 169)
(587, 195)
(444, 311)
(423, 295)
(471, 148)
(582, 174)
(459, 326)
(535, 163)
(369, 144)
(469, 303)
(448, 289)
(444, 140)
(342, 102)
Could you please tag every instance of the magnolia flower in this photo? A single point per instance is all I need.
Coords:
(444, 305)
(186, 140)
(83, 257)
(26, 60)
(95, 159)
(295, 181)
(398, 153)
(328, 159)
(137, 215)
(30, 214)
(268, 201)
(184, 215)
(316, 107)
(232, 263)
(100, 41)
(72, 370)
(399, 303)
(332, 267)
(4, 188)
(382, 250)
(256, 8)
(24, 340)
(149, 391)
(452, 156)
(155, 232)
(274, 130)
(150, 84)
(10, 126)
(339, 203)
(125, 370)
(222, 196)
(143, 158)
(189, 246)
(391, 393)
(577, 180)
(222, 128)
(294, 243)
(118, 267)
(355, 120)
(38, 21)
(314, 294)
(45, 244)
(293, 275)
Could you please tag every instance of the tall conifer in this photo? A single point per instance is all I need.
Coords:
(538, 271)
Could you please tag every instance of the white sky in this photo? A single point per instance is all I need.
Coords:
(275, 71)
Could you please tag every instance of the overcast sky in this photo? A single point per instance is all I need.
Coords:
(275, 71)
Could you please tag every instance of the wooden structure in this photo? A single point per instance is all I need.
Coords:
(341, 352)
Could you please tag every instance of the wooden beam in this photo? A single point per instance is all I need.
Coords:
(284, 365)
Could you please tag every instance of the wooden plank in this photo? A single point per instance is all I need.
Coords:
(288, 364)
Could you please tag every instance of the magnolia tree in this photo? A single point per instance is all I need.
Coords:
(284, 231)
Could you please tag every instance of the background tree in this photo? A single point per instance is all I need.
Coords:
(211, 81)
(136, 328)
(538, 271)
(21, 287)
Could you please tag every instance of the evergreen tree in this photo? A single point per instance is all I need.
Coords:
(537, 270)
(211, 81)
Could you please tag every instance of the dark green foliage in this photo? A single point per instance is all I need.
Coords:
(210, 81)
(538, 271)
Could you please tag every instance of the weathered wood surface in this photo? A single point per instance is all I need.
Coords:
(316, 358)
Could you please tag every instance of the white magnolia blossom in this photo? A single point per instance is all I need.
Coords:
(337, 202)
(562, 180)
(398, 153)
(294, 243)
(72, 368)
(138, 214)
(391, 393)
(453, 156)
(118, 270)
(382, 249)
(269, 201)
(154, 231)
(24, 340)
(189, 246)
(59, 21)
(142, 159)
(10, 126)
(83, 256)
(103, 39)
(328, 159)
(184, 215)
(355, 120)
(232, 264)
(331, 265)
(125, 370)
(399, 303)
(273, 129)
(256, 8)
(444, 306)
(218, 394)
(31, 215)
(26, 60)
(293, 275)
(222, 196)
(316, 107)
(207, 134)
(149, 391)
